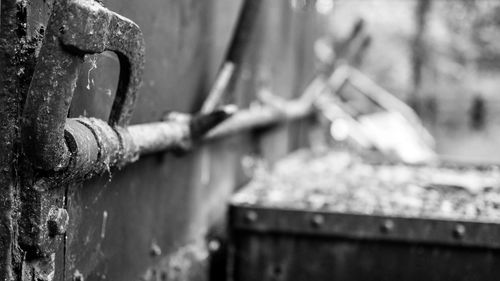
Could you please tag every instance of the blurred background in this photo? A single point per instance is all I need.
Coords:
(441, 57)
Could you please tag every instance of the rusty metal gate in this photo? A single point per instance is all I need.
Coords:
(163, 216)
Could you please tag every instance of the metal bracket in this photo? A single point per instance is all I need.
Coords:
(73, 147)
(77, 28)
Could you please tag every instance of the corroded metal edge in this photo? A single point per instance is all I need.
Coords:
(365, 227)
(10, 98)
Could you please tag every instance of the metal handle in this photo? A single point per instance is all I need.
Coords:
(77, 28)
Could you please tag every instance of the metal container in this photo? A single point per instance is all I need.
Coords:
(286, 244)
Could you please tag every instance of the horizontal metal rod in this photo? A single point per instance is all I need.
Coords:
(176, 134)
(96, 146)
(259, 117)
(159, 136)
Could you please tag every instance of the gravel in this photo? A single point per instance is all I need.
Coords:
(339, 181)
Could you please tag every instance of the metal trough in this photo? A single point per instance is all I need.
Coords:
(280, 243)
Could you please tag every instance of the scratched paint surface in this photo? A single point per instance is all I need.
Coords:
(149, 220)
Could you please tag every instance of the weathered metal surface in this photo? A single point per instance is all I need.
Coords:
(189, 262)
(264, 116)
(77, 28)
(154, 199)
(163, 198)
(178, 133)
(11, 89)
(57, 221)
(302, 257)
(367, 227)
(67, 39)
(279, 244)
(96, 147)
(114, 219)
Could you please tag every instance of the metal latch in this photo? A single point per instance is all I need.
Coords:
(77, 28)
(63, 149)
(80, 147)
(51, 141)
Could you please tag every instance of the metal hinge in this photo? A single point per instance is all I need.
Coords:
(65, 150)
(65, 147)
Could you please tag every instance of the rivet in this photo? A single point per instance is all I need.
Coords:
(155, 250)
(317, 221)
(387, 226)
(214, 245)
(78, 276)
(250, 216)
(459, 231)
(57, 221)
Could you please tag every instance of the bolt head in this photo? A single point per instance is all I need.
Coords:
(387, 226)
(459, 231)
(214, 245)
(251, 217)
(78, 276)
(317, 221)
(57, 221)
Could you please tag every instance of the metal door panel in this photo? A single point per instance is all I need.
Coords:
(154, 203)
(150, 219)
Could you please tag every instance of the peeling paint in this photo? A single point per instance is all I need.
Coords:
(93, 65)
(78, 276)
(42, 269)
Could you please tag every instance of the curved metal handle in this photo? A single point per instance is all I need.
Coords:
(77, 28)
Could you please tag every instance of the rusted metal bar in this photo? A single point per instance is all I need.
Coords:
(95, 146)
(245, 26)
(267, 115)
(65, 150)
(219, 87)
(179, 132)
(261, 117)
(160, 136)
(81, 147)
(117, 146)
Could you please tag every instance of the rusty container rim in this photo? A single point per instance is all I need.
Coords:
(437, 231)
